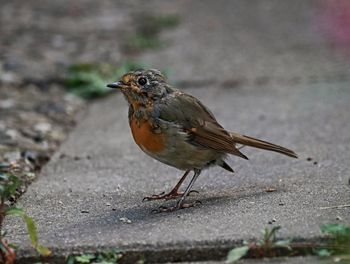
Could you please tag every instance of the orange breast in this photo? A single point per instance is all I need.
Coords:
(145, 138)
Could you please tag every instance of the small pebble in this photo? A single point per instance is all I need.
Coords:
(84, 211)
(62, 156)
(315, 162)
(270, 189)
(30, 155)
(6, 104)
(13, 134)
(309, 159)
(273, 220)
(8, 77)
(125, 220)
(281, 203)
(30, 175)
(12, 156)
(43, 127)
(337, 259)
(338, 218)
(108, 204)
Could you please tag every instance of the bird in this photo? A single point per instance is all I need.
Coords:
(177, 129)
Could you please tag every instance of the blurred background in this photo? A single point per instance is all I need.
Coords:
(55, 56)
(272, 69)
(40, 39)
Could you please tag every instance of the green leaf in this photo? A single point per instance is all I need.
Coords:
(34, 236)
(44, 251)
(322, 252)
(15, 211)
(336, 229)
(109, 256)
(89, 80)
(85, 258)
(31, 229)
(2, 191)
(3, 177)
(5, 166)
(70, 260)
(10, 186)
(236, 254)
(2, 248)
(283, 244)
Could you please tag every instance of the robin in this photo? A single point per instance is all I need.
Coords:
(179, 130)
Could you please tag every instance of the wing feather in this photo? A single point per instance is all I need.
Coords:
(198, 121)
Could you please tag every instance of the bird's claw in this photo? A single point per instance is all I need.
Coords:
(168, 196)
(163, 208)
(154, 197)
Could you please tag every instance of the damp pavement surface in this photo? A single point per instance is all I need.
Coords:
(268, 73)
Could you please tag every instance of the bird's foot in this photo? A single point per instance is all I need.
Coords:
(178, 206)
(168, 196)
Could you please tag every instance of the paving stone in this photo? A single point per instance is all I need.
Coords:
(99, 176)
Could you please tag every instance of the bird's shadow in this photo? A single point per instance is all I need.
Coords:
(143, 212)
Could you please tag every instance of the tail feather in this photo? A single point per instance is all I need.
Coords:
(224, 165)
(257, 143)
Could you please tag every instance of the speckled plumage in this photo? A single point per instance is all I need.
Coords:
(178, 130)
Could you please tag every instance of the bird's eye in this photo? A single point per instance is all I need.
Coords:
(142, 81)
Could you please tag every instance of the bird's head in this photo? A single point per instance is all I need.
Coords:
(142, 85)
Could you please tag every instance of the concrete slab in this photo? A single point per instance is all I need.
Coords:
(252, 42)
(80, 199)
(96, 182)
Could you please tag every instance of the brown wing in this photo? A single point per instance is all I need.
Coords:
(198, 121)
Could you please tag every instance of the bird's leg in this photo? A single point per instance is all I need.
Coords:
(172, 194)
(181, 203)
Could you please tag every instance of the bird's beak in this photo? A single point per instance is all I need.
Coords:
(116, 85)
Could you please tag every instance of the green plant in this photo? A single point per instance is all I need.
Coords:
(270, 242)
(236, 254)
(150, 25)
(105, 257)
(8, 185)
(264, 247)
(141, 42)
(89, 80)
(338, 244)
(148, 28)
